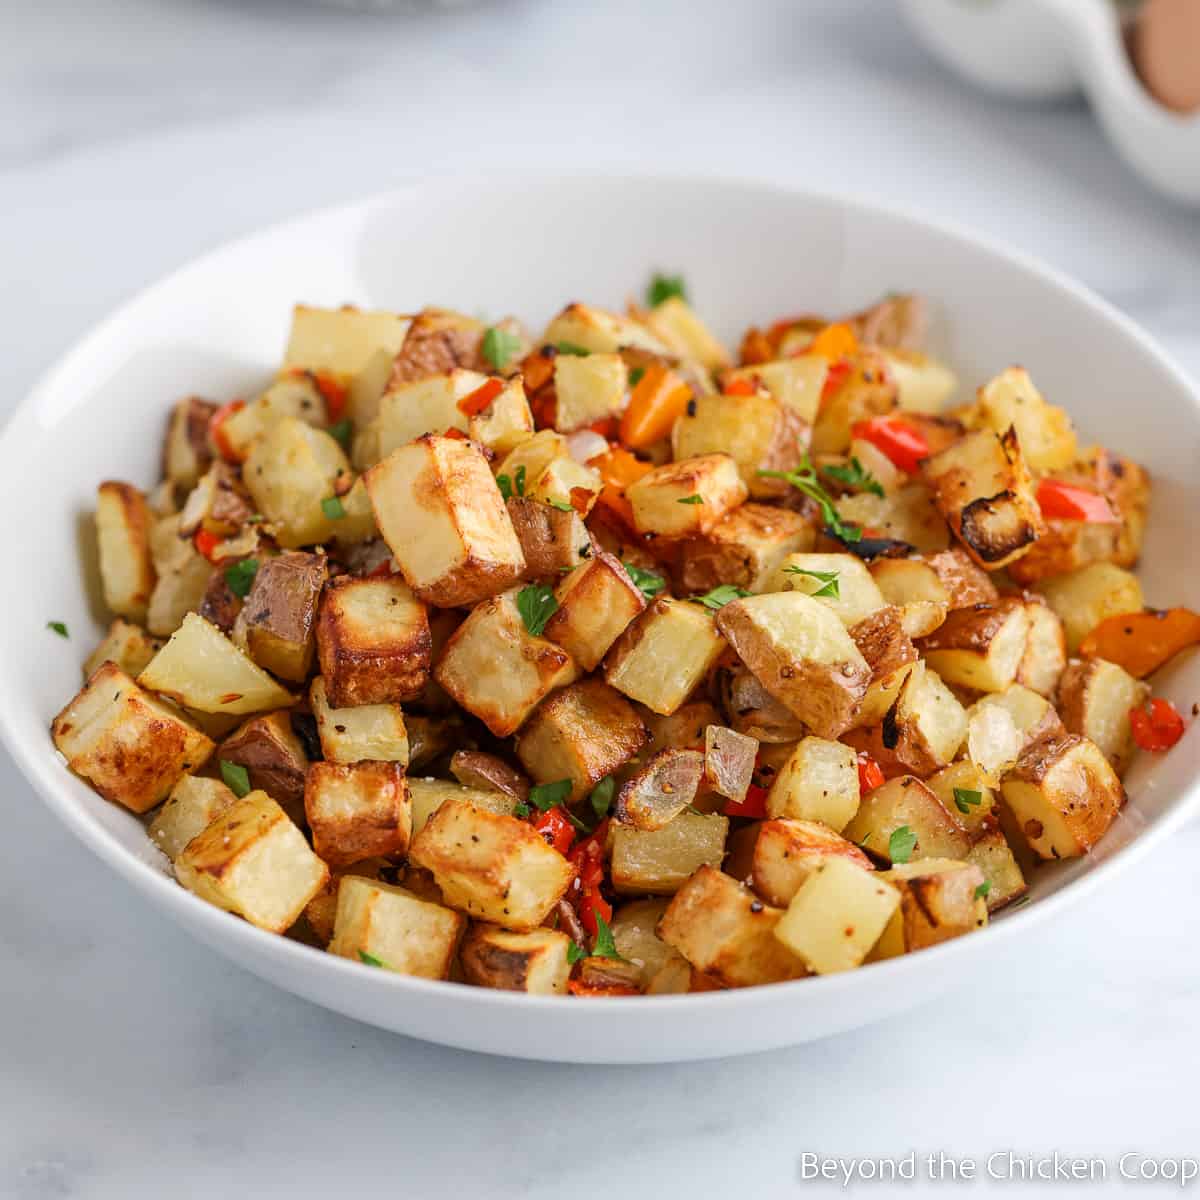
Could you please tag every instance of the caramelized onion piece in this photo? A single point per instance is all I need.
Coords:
(661, 790)
(728, 761)
(478, 769)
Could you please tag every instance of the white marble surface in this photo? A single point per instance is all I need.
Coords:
(134, 1063)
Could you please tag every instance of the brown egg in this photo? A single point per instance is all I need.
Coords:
(1166, 52)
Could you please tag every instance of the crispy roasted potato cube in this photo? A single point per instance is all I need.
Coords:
(684, 729)
(277, 623)
(727, 933)
(373, 642)
(131, 748)
(125, 645)
(493, 867)
(600, 332)
(658, 861)
(852, 593)
(363, 732)
(543, 467)
(183, 577)
(916, 589)
(1000, 725)
(1045, 654)
(905, 802)
(890, 654)
(836, 916)
(634, 930)
(201, 668)
(685, 498)
(437, 341)
(980, 647)
(1012, 401)
(582, 733)
(295, 395)
(193, 805)
(869, 390)
(388, 927)
(966, 584)
(342, 340)
(796, 383)
(428, 795)
(802, 654)
(357, 810)
(123, 522)
(596, 603)
(967, 792)
(675, 323)
(983, 489)
(923, 383)
(410, 408)
(1064, 795)
(274, 756)
(253, 861)
(552, 540)
(588, 388)
(499, 671)
(186, 451)
(1094, 700)
(1002, 877)
(533, 962)
(661, 658)
(506, 422)
(908, 515)
(939, 900)
(819, 782)
(1083, 598)
(744, 548)
(786, 852)
(442, 515)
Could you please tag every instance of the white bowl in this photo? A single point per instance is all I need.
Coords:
(526, 243)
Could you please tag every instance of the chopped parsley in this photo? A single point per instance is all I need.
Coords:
(981, 892)
(340, 432)
(855, 475)
(333, 508)
(804, 479)
(561, 505)
(572, 348)
(546, 796)
(574, 953)
(602, 796)
(371, 960)
(694, 498)
(635, 376)
(521, 809)
(828, 580)
(720, 596)
(59, 628)
(237, 778)
(499, 346)
(901, 844)
(665, 287)
(536, 604)
(604, 946)
(514, 486)
(965, 799)
(239, 577)
(648, 582)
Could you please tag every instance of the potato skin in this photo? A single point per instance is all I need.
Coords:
(274, 758)
(534, 962)
(966, 584)
(551, 539)
(437, 341)
(370, 814)
(278, 619)
(742, 548)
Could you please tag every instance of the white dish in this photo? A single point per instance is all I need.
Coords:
(522, 243)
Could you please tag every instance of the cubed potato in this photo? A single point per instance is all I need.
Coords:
(533, 962)
(596, 603)
(183, 576)
(478, 769)
(1012, 401)
(1083, 598)
(905, 803)
(980, 647)
(274, 757)
(428, 795)
(541, 468)
(123, 522)
(600, 332)
(1003, 880)
(915, 588)
(363, 732)
(802, 654)
(506, 422)
(869, 390)
(908, 515)
(410, 408)
(588, 388)
(130, 747)
(939, 900)
(966, 584)
(277, 623)
(836, 916)
(661, 658)
(388, 927)
(342, 340)
(253, 861)
(193, 805)
(437, 341)
(686, 498)
(796, 383)
(218, 503)
(967, 792)
(442, 515)
(1094, 700)
(289, 472)
(186, 450)
(743, 549)
(786, 852)
(852, 594)
(125, 645)
(1064, 795)
(1025, 717)
(634, 929)
(582, 733)
(982, 486)
(373, 642)
(294, 396)
(676, 323)
(924, 384)
(493, 867)
(890, 654)
(819, 782)
(552, 540)
(357, 810)
(684, 729)
(1045, 654)
(201, 668)
(659, 861)
(499, 671)
(727, 933)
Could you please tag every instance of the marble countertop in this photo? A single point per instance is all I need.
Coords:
(136, 1063)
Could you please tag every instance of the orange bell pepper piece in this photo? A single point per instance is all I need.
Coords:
(834, 342)
(481, 398)
(618, 469)
(658, 399)
(1141, 642)
(220, 441)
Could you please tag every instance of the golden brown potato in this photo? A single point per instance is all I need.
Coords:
(193, 805)
(869, 390)
(436, 341)
(364, 732)
(1011, 401)
(675, 322)
(907, 515)
(428, 795)
(1001, 725)
(588, 388)
(726, 932)
(1045, 649)
(903, 819)
(581, 733)
(186, 452)
(357, 810)
(916, 589)
(890, 654)
(966, 584)
(687, 497)
(802, 654)
(183, 576)
(659, 861)
(1094, 700)
(533, 962)
(743, 549)
(274, 756)
(277, 623)
(1003, 880)
(600, 332)
(130, 747)
(633, 929)
(125, 645)
(786, 852)
(552, 540)
(373, 641)
(967, 793)
(1083, 598)
(123, 522)
(796, 383)
(818, 782)
(596, 603)
(839, 581)
(218, 503)
(939, 900)
(980, 647)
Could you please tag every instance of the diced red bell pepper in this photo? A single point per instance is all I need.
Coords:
(456, 434)
(902, 443)
(481, 398)
(1157, 726)
(334, 392)
(554, 826)
(591, 904)
(1066, 501)
(870, 773)
(220, 441)
(838, 373)
(754, 805)
(739, 387)
(205, 543)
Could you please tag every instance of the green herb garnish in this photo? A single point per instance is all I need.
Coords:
(59, 628)
(237, 778)
(695, 498)
(901, 844)
(647, 582)
(719, 596)
(521, 809)
(546, 796)
(855, 475)
(572, 348)
(664, 287)
(499, 346)
(604, 946)
(574, 953)
(804, 479)
(333, 508)
(341, 431)
(635, 376)
(536, 604)
(512, 487)
(981, 892)
(519, 480)
(561, 505)
(239, 576)
(828, 579)
(371, 960)
(965, 799)
(602, 796)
